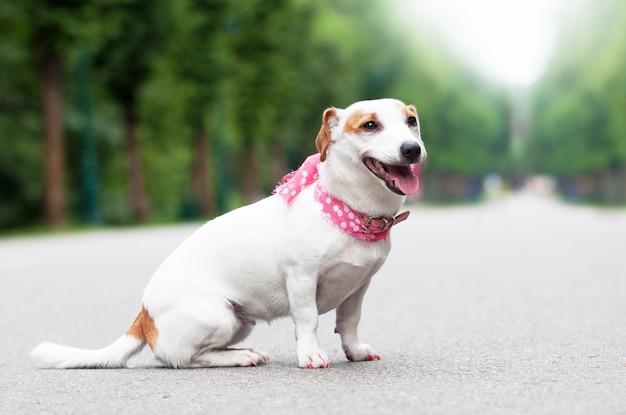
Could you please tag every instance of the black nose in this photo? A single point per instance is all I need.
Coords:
(411, 151)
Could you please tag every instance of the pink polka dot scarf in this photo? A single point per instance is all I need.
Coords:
(357, 224)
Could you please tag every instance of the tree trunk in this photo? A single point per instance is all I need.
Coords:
(138, 195)
(279, 161)
(54, 162)
(251, 176)
(201, 177)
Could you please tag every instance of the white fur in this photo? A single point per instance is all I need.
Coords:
(269, 260)
(64, 357)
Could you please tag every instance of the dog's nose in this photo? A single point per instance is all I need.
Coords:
(411, 151)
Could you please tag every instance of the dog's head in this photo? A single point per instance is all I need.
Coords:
(381, 136)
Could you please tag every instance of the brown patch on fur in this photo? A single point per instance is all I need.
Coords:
(143, 328)
(322, 141)
(355, 122)
(410, 110)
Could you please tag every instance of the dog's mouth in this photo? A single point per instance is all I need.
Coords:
(400, 179)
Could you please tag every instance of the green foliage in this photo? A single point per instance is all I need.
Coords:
(472, 136)
(580, 105)
(255, 75)
(135, 36)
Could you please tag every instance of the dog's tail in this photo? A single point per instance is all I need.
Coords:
(115, 355)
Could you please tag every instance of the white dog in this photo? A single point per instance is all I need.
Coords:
(311, 247)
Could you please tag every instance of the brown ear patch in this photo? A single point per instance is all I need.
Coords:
(144, 328)
(356, 120)
(322, 141)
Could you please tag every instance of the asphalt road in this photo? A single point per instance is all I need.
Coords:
(512, 307)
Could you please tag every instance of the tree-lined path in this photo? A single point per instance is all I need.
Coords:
(514, 306)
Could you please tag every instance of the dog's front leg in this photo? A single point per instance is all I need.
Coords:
(348, 316)
(302, 291)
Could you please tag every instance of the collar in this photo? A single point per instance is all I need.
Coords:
(360, 225)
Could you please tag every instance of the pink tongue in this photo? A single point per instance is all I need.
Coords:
(405, 178)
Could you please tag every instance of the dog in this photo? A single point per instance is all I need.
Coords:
(311, 247)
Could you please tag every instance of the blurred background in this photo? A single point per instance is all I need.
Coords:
(115, 112)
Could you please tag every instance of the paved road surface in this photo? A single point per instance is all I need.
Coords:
(512, 307)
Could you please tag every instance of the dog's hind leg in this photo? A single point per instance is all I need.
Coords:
(198, 335)
(229, 357)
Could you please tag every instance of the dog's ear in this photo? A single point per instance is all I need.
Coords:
(329, 119)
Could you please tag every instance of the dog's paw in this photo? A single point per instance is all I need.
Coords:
(361, 352)
(229, 357)
(249, 357)
(263, 357)
(313, 360)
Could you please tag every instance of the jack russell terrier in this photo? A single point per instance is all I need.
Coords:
(311, 247)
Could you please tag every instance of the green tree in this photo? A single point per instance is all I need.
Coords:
(53, 28)
(579, 106)
(174, 81)
(200, 59)
(21, 154)
(136, 36)
(256, 48)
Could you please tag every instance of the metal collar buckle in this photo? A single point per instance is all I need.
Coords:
(386, 224)
(383, 223)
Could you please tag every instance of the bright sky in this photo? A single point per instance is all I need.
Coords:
(508, 40)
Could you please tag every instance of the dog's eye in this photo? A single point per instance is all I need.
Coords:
(370, 125)
(412, 121)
